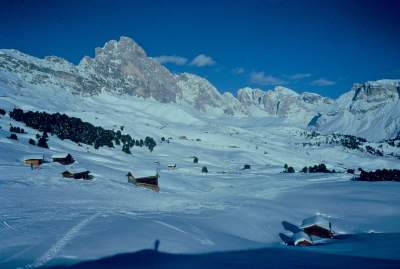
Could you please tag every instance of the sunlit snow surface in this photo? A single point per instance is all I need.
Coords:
(47, 220)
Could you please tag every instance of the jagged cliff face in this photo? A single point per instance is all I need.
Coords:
(199, 92)
(373, 95)
(370, 109)
(285, 103)
(122, 67)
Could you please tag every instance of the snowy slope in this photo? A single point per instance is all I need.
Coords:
(48, 220)
(370, 110)
(122, 67)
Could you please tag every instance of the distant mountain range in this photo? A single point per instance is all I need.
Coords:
(370, 109)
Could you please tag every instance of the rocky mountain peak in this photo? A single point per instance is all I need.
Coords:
(280, 90)
(377, 90)
(124, 47)
(249, 96)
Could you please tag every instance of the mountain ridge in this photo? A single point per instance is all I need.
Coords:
(123, 67)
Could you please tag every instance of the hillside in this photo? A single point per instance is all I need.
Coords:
(370, 110)
(64, 221)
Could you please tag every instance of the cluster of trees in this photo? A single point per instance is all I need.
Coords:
(78, 131)
(394, 142)
(288, 169)
(373, 151)
(165, 140)
(2, 112)
(13, 137)
(318, 168)
(348, 141)
(42, 140)
(380, 175)
(17, 130)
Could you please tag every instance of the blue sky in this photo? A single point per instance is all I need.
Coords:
(321, 46)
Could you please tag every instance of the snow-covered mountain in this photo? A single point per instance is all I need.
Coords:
(122, 67)
(370, 110)
(47, 220)
(284, 103)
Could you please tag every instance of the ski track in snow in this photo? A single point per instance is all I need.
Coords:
(8, 225)
(60, 244)
(204, 241)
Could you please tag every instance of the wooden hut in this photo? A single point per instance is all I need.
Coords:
(77, 174)
(63, 158)
(317, 226)
(149, 182)
(35, 161)
(302, 239)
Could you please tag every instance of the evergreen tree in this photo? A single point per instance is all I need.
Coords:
(126, 149)
(43, 141)
(13, 137)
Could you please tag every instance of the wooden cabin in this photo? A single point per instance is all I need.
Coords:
(35, 161)
(317, 226)
(302, 239)
(78, 174)
(63, 158)
(149, 182)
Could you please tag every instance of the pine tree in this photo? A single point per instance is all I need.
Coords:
(126, 149)
(43, 141)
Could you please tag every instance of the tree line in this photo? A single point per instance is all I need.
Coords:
(379, 175)
(78, 131)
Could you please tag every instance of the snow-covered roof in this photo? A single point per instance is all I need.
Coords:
(77, 170)
(59, 155)
(301, 236)
(143, 173)
(33, 157)
(316, 220)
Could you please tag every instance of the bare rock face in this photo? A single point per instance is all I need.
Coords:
(370, 110)
(124, 68)
(248, 96)
(198, 92)
(284, 102)
(120, 67)
(373, 95)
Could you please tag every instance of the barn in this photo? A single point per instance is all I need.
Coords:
(35, 161)
(317, 226)
(77, 174)
(149, 182)
(63, 158)
(302, 239)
